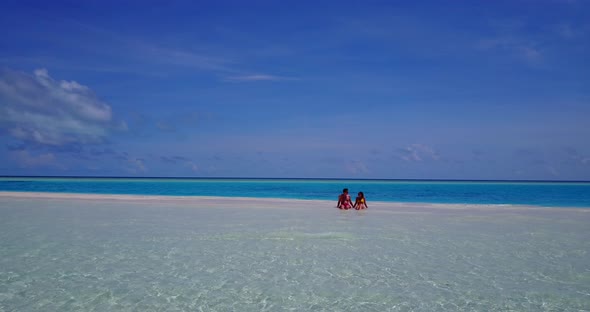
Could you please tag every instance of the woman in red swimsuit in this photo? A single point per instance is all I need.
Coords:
(344, 201)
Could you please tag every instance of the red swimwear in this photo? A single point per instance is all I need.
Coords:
(345, 204)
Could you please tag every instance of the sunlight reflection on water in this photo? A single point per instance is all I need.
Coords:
(74, 255)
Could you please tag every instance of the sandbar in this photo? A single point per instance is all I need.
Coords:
(282, 203)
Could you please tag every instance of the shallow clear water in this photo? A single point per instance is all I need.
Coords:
(557, 194)
(85, 255)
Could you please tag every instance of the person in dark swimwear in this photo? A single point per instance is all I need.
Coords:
(344, 201)
(361, 202)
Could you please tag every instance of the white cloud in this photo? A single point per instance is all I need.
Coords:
(36, 108)
(417, 153)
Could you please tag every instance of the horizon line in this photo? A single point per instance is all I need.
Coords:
(295, 178)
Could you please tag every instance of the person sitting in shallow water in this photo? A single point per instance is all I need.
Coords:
(344, 201)
(361, 202)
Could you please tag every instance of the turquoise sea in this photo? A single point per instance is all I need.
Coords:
(556, 194)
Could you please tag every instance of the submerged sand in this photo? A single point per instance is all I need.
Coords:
(280, 203)
(74, 252)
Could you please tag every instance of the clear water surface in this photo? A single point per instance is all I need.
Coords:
(562, 194)
(121, 255)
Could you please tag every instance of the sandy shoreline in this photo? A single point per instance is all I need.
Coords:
(214, 201)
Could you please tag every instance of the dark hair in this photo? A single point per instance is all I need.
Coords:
(345, 190)
(362, 194)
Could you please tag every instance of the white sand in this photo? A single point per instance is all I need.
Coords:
(251, 202)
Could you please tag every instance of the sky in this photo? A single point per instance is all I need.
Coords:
(296, 89)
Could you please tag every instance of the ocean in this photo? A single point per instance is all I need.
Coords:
(552, 194)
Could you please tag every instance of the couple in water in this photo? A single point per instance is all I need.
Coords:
(345, 203)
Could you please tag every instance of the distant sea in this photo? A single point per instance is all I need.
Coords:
(539, 193)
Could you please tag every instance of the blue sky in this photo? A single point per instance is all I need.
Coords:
(363, 89)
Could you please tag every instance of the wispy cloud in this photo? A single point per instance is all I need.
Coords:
(514, 37)
(356, 167)
(192, 166)
(184, 161)
(566, 31)
(576, 157)
(417, 153)
(173, 159)
(524, 49)
(137, 49)
(164, 126)
(26, 160)
(257, 77)
(150, 55)
(225, 67)
(179, 120)
(93, 65)
(184, 58)
(552, 170)
(136, 165)
(36, 108)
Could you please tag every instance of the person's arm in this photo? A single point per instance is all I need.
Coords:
(339, 202)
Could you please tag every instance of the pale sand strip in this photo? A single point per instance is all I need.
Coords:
(249, 202)
(193, 201)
